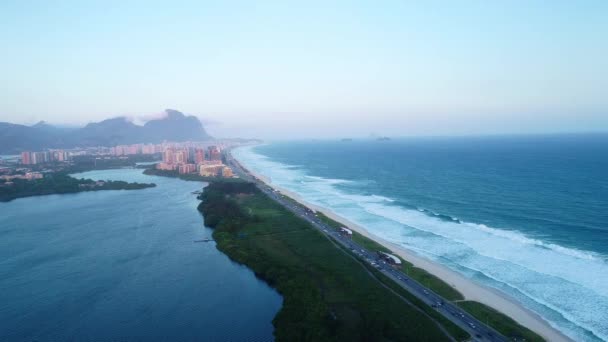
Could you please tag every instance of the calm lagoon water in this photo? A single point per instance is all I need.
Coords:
(123, 265)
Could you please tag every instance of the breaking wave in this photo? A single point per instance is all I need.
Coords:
(566, 286)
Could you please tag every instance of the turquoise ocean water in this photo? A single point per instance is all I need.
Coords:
(526, 215)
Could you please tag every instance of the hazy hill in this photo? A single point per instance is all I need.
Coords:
(175, 126)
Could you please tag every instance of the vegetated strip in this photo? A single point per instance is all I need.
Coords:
(493, 318)
(499, 321)
(327, 294)
(425, 278)
(61, 183)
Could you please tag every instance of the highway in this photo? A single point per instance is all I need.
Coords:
(478, 330)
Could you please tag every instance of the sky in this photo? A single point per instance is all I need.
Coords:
(280, 69)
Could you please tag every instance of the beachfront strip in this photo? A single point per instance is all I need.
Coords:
(383, 261)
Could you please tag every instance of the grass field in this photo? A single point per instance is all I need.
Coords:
(437, 285)
(432, 282)
(502, 323)
(493, 318)
(328, 295)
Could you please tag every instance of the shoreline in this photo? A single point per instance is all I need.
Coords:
(470, 290)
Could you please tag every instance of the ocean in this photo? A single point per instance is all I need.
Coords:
(526, 215)
(124, 266)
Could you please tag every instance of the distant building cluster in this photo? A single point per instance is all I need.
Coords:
(92, 185)
(196, 152)
(33, 158)
(203, 158)
(26, 176)
(125, 150)
(187, 160)
(10, 173)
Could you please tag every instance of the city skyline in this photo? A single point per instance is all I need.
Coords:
(185, 158)
(277, 70)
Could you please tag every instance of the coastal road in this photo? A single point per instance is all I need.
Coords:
(477, 329)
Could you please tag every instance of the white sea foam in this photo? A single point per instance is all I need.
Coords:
(568, 287)
(382, 198)
(327, 180)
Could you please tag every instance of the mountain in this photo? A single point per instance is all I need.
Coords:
(15, 138)
(174, 126)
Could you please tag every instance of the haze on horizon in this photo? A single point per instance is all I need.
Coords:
(278, 69)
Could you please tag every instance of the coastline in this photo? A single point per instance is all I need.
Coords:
(470, 290)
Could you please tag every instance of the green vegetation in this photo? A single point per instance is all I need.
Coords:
(454, 330)
(328, 294)
(501, 322)
(493, 318)
(432, 282)
(437, 285)
(369, 243)
(61, 183)
(328, 221)
(187, 177)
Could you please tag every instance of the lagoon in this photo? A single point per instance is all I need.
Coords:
(123, 265)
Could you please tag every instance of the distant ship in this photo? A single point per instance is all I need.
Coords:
(347, 139)
(383, 138)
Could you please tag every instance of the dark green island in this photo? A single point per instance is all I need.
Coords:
(61, 183)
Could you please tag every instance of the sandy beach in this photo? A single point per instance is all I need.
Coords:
(469, 289)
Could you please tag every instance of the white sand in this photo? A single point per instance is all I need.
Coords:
(469, 289)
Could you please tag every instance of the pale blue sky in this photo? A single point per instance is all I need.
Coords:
(280, 68)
